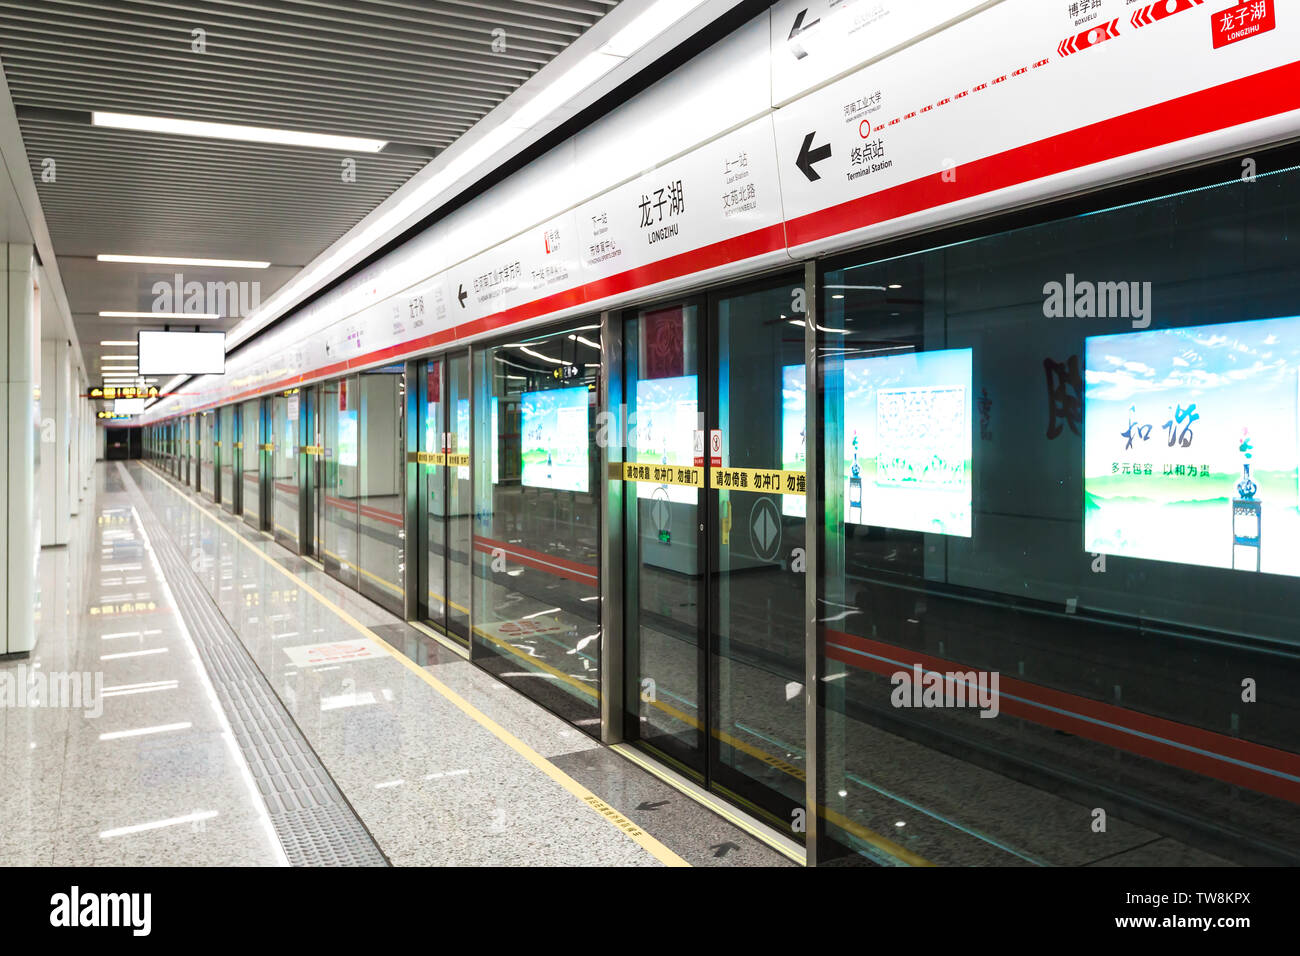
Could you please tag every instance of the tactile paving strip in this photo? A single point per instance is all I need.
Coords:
(313, 821)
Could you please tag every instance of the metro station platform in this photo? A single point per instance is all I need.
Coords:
(255, 712)
(760, 435)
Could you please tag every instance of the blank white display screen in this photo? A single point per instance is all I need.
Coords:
(182, 353)
(128, 406)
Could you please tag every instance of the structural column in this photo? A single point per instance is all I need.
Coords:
(56, 489)
(19, 448)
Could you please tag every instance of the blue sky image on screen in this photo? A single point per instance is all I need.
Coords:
(348, 438)
(1173, 421)
(554, 443)
(794, 448)
(664, 431)
(461, 446)
(496, 442)
(907, 441)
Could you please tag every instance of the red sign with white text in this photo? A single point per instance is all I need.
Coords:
(1242, 22)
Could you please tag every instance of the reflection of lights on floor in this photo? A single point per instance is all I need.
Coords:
(445, 773)
(527, 617)
(144, 731)
(158, 824)
(145, 653)
(127, 690)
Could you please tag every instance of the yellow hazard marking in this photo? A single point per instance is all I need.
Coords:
(759, 480)
(643, 839)
(457, 459)
(426, 457)
(663, 474)
(868, 836)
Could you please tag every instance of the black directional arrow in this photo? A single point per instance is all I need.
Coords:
(462, 295)
(723, 848)
(646, 805)
(808, 156)
(798, 28)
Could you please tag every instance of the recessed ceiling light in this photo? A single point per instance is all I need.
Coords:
(252, 134)
(159, 315)
(180, 261)
(895, 286)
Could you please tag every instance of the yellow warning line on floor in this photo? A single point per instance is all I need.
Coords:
(599, 806)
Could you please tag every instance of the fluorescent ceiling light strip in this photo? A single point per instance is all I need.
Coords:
(159, 315)
(251, 134)
(179, 261)
(580, 76)
(131, 342)
(647, 26)
(116, 358)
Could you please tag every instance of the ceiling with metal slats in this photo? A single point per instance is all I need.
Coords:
(414, 74)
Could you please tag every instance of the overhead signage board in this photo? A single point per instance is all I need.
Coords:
(128, 406)
(532, 265)
(881, 117)
(817, 40)
(113, 392)
(865, 151)
(181, 353)
(725, 190)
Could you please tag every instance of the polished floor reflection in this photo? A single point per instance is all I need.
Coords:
(149, 772)
(444, 764)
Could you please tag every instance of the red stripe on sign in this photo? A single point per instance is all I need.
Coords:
(747, 246)
(1240, 101)
(1180, 745)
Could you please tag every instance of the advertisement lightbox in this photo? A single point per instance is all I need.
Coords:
(128, 406)
(181, 353)
(1192, 445)
(554, 446)
(664, 431)
(907, 441)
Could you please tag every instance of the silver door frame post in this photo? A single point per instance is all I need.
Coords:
(610, 403)
(812, 566)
